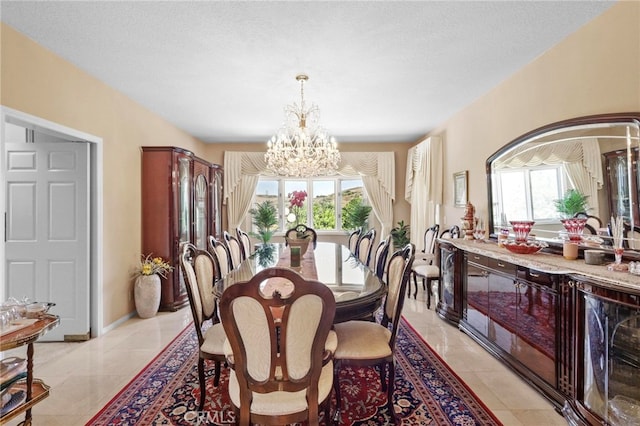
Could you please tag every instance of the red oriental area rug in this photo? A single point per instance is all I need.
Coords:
(166, 392)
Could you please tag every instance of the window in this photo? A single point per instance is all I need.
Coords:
(528, 194)
(318, 210)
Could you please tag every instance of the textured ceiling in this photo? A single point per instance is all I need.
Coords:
(223, 71)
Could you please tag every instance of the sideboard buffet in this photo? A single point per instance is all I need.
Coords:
(569, 329)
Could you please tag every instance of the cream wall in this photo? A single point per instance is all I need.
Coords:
(595, 70)
(39, 83)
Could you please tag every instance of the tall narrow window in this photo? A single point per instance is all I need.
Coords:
(295, 203)
(351, 196)
(324, 204)
(267, 190)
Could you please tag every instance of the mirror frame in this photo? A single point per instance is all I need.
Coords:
(632, 117)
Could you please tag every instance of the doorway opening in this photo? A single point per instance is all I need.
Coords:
(57, 132)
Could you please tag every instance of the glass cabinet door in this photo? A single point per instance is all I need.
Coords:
(200, 212)
(184, 195)
(216, 202)
(611, 360)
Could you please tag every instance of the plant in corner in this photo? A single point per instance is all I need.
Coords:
(265, 219)
(400, 235)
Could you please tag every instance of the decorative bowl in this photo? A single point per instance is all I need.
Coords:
(526, 247)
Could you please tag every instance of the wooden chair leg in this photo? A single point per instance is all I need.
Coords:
(390, 388)
(426, 284)
(415, 286)
(336, 389)
(203, 384)
(216, 377)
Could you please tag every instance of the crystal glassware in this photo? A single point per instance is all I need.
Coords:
(521, 229)
(618, 252)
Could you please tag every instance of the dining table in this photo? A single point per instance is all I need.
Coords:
(357, 289)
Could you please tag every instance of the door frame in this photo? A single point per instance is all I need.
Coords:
(95, 203)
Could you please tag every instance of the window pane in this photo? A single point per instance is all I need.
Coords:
(295, 203)
(544, 189)
(324, 204)
(514, 198)
(267, 190)
(351, 196)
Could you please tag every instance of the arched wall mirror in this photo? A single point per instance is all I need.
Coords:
(595, 155)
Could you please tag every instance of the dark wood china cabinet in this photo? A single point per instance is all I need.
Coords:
(181, 202)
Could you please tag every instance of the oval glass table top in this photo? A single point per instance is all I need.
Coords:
(357, 289)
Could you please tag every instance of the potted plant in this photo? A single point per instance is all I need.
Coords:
(355, 215)
(572, 203)
(400, 235)
(265, 219)
(146, 290)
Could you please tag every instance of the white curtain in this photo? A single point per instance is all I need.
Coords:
(377, 170)
(581, 161)
(241, 173)
(423, 186)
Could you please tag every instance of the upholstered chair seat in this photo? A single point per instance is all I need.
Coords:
(362, 340)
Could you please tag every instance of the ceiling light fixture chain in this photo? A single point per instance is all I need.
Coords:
(301, 147)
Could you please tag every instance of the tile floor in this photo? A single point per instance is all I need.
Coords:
(85, 376)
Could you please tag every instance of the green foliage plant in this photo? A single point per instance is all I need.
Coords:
(265, 219)
(573, 202)
(400, 235)
(355, 215)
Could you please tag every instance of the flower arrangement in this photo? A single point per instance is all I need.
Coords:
(152, 265)
(296, 202)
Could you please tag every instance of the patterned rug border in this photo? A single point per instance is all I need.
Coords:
(428, 381)
(444, 365)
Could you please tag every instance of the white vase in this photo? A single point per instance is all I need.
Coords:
(147, 295)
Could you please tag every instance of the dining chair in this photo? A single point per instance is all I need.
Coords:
(304, 231)
(198, 268)
(280, 348)
(245, 243)
(235, 249)
(369, 343)
(365, 245)
(353, 240)
(380, 257)
(220, 253)
(426, 255)
(453, 232)
(430, 273)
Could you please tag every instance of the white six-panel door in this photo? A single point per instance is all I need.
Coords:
(47, 230)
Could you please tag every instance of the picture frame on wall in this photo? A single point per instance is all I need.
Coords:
(460, 184)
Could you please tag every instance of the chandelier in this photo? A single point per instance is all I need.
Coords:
(301, 147)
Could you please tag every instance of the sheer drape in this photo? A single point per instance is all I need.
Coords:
(580, 159)
(423, 185)
(377, 170)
